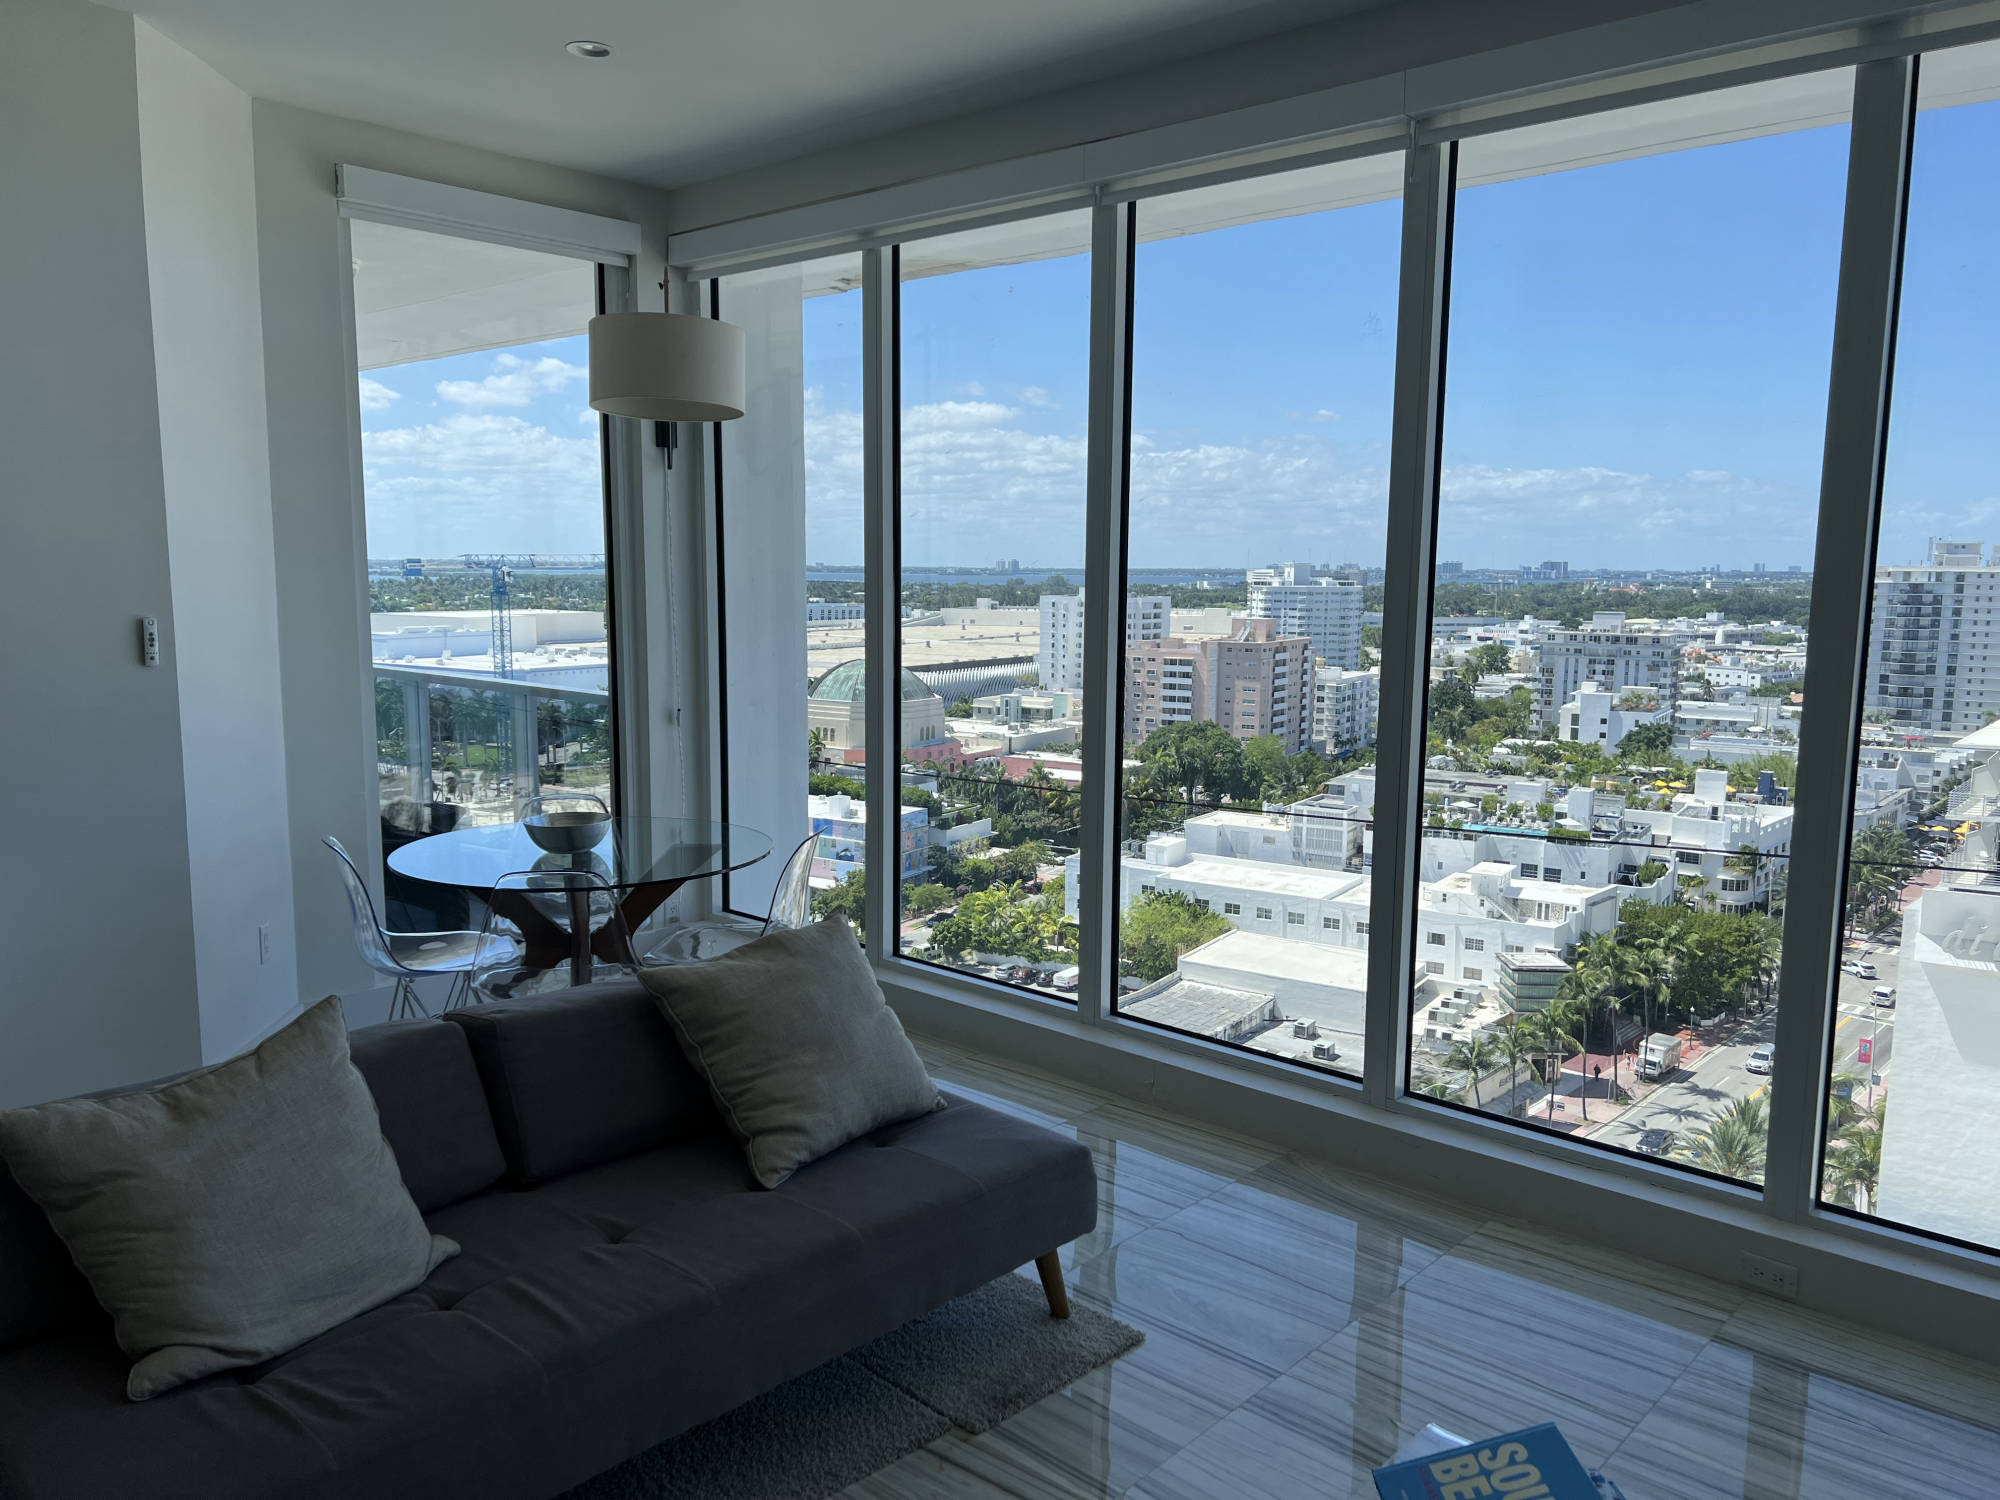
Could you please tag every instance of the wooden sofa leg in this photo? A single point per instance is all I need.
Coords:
(1050, 1266)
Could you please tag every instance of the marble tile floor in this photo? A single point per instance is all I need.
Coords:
(1301, 1323)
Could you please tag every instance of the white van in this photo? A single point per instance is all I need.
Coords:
(1883, 995)
(1067, 979)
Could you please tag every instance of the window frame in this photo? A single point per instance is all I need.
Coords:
(1787, 1208)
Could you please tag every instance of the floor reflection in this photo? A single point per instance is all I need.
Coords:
(1303, 1321)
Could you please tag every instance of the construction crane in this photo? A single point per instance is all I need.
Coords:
(502, 606)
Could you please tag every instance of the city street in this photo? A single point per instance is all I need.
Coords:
(1718, 1077)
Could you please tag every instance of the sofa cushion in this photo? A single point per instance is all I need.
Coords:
(232, 1213)
(584, 1321)
(583, 1076)
(797, 1043)
(40, 1287)
(433, 1108)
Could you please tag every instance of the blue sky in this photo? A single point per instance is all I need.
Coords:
(1637, 371)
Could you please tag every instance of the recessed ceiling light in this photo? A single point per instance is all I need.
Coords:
(587, 49)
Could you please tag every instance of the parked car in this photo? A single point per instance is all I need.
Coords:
(1864, 971)
(1882, 994)
(1022, 974)
(1760, 1058)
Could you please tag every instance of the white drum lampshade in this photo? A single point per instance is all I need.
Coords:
(666, 367)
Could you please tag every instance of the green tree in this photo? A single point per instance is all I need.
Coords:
(1491, 659)
(922, 900)
(1159, 927)
(1021, 861)
(1854, 1164)
(961, 707)
(845, 898)
(1516, 1040)
(1550, 1031)
(815, 747)
(1732, 1144)
(1432, 1084)
(1880, 861)
(1648, 744)
(1194, 762)
(1475, 1055)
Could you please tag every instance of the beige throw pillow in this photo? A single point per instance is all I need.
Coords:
(232, 1214)
(798, 1046)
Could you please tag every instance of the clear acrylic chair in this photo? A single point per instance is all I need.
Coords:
(552, 920)
(791, 906)
(409, 956)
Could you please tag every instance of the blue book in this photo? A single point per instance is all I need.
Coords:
(1532, 1464)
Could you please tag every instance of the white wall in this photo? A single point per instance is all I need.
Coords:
(208, 345)
(95, 915)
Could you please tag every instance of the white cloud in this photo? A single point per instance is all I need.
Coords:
(514, 382)
(376, 396)
(975, 472)
(481, 482)
(1034, 395)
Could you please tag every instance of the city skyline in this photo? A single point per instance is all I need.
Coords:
(1581, 406)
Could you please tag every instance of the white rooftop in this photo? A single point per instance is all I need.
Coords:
(1258, 875)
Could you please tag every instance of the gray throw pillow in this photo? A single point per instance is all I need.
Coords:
(798, 1046)
(231, 1214)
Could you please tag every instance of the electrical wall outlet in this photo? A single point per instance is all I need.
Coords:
(1772, 1276)
(264, 943)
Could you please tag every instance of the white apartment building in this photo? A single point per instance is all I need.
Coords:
(1326, 611)
(1592, 716)
(821, 612)
(1609, 653)
(1465, 920)
(1748, 673)
(1703, 835)
(1937, 1166)
(1345, 706)
(1059, 650)
(1934, 649)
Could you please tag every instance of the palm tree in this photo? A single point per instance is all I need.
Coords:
(1769, 957)
(1584, 996)
(1551, 1033)
(1841, 1110)
(1854, 1169)
(1434, 1085)
(1475, 1055)
(1732, 1144)
(815, 746)
(1515, 1038)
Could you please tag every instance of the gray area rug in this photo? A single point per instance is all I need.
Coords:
(969, 1365)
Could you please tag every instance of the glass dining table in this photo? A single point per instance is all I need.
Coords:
(643, 860)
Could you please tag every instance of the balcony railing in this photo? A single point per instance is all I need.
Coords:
(486, 744)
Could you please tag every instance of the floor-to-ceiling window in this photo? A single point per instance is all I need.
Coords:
(485, 534)
(794, 627)
(1641, 311)
(1914, 1055)
(1263, 363)
(994, 378)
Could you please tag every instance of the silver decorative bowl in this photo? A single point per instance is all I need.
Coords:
(567, 832)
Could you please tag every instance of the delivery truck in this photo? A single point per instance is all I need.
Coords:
(1659, 1055)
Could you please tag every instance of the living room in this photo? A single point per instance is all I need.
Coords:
(1276, 1042)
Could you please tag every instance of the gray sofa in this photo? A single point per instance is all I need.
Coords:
(622, 1277)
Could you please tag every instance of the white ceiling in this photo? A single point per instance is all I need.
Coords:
(691, 90)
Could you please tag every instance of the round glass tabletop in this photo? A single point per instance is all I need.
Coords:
(633, 852)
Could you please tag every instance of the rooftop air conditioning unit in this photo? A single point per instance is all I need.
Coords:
(1305, 1030)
